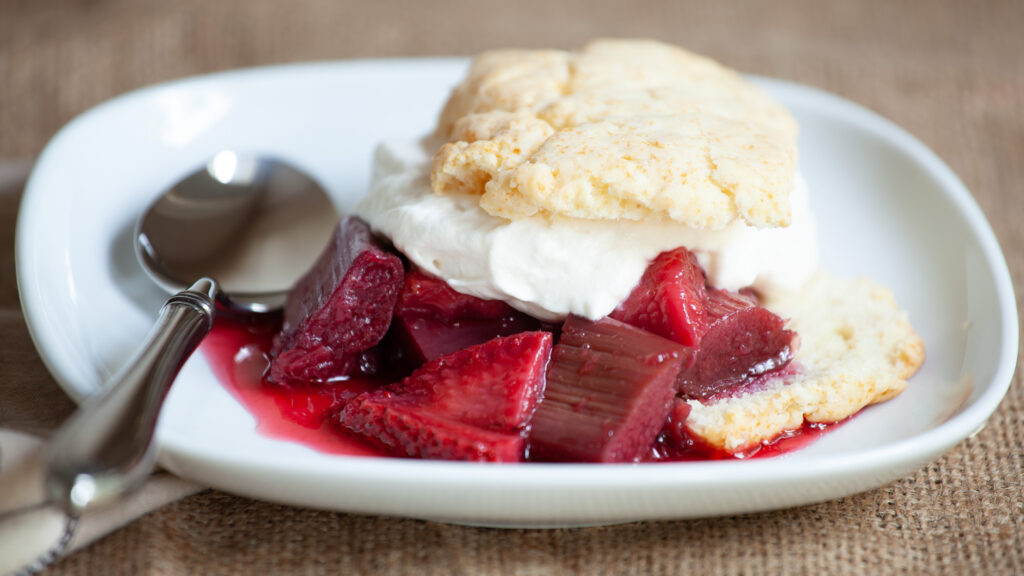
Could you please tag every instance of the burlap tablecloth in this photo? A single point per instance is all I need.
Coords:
(952, 73)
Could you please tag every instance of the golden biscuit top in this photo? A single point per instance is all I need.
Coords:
(620, 129)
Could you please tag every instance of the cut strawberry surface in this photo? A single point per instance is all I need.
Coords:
(426, 296)
(469, 405)
(733, 339)
(719, 304)
(433, 319)
(737, 348)
(609, 390)
(309, 406)
(340, 308)
(669, 301)
(406, 431)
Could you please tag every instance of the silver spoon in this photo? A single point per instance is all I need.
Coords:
(255, 225)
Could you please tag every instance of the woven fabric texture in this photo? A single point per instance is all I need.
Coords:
(950, 72)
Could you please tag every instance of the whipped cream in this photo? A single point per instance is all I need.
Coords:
(550, 267)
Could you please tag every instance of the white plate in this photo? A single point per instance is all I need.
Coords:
(887, 206)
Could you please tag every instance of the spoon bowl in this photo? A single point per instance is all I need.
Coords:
(254, 224)
(230, 238)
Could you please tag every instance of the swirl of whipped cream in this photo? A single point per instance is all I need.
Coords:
(550, 267)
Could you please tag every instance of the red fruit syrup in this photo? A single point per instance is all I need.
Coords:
(238, 353)
(789, 441)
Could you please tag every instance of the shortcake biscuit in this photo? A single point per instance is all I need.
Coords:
(643, 131)
(857, 348)
(621, 129)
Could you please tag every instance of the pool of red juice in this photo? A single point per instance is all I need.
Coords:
(239, 353)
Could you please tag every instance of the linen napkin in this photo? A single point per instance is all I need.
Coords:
(34, 533)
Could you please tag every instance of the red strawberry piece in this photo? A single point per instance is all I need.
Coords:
(669, 300)
(469, 405)
(309, 406)
(737, 348)
(719, 304)
(340, 308)
(609, 390)
(426, 296)
(433, 319)
(734, 339)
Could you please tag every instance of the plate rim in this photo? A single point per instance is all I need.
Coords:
(934, 440)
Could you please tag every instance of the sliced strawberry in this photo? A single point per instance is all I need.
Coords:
(609, 389)
(408, 431)
(432, 319)
(737, 348)
(669, 300)
(719, 304)
(309, 406)
(340, 308)
(426, 296)
(734, 339)
(468, 405)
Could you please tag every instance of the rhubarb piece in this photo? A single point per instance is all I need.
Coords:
(609, 390)
(427, 338)
(339, 309)
(469, 405)
(434, 320)
(743, 342)
(669, 300)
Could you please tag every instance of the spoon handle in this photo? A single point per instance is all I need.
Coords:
(106, 448)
